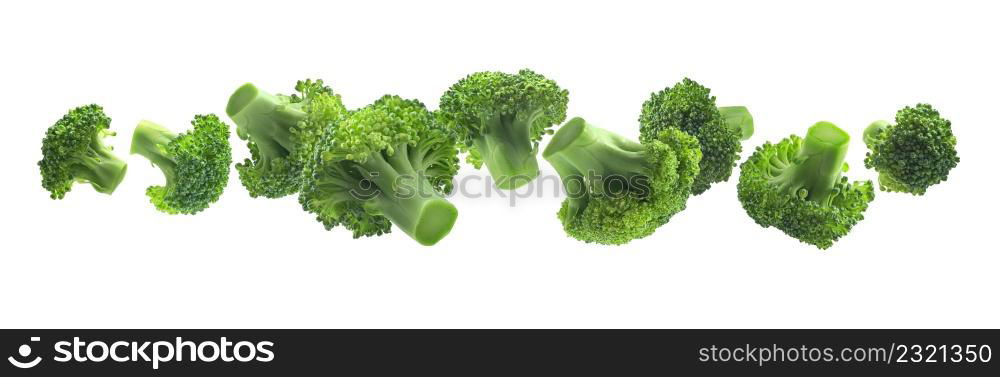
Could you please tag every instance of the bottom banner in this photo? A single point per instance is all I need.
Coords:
(477, 352)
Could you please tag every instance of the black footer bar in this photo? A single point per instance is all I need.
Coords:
(491, 352)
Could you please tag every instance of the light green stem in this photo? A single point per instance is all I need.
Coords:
(738, 117)
(265, 119)
(150, 140)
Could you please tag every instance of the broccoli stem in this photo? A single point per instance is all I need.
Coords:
(506, 148)
(579, 147)
(338, 184)
(265, 119)
(872, 132)
(822, 162)
(870, 136)
(739, 118)
(591, 160)
(150, 141)
(407, 198)
(100, 167)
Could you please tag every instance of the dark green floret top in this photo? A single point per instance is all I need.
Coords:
(74, 150)
(797, 186)
(389, 163)
(501, 117)
(915, 153)
(690, 107)
(195, 163)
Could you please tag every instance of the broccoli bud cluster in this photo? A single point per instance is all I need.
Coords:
(391, 164)
(915, 153)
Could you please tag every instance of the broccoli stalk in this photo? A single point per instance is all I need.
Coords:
(387, 163)
(915, 153)
(738, 118)
(820, 164)
(149, 140)
(99, 166)
(874, 131)
(73, 150)
(500, 118)
(619, 190)
(392, 186)
(591, 160)
(278, 140)
(266, 119)
(505, 146)
(797, 186)
(195, 163)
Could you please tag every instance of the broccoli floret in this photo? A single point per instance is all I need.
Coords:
(195, 163)
(501, 118)
(797, 187)
(387, 163)
(915, 153)
(73, 150)
(619, 190)
(275, 134)
(691, 108)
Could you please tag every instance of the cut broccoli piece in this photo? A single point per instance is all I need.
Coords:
(275, 134)
(738, 118)
(194, 163)
(797, 187)
(73, 150)
(500, 119)
(691, 108)
(619, 190)
(387, 163)
(915, 153)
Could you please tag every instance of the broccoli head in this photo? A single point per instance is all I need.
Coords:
(691, 108)
(500, 119)
(276, 136)
(73, 150)
(797, 186)
(619, 190)
(387, 163)
(194, 163)
(915, 153)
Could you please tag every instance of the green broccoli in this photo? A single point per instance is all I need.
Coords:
(915, 153)
(501, 118)
(195, 163)
(797, 187)
(619, 190)
(387, 163)
(691, 108)
(73, 150)
(273, 128)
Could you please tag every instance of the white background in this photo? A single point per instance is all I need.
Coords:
(112, 261)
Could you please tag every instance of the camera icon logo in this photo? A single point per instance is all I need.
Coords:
(25, 351)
